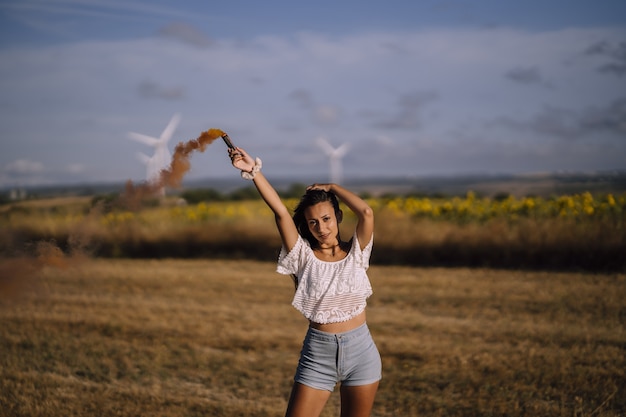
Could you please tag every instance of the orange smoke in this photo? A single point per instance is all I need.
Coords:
(173, 175)
(21, 273)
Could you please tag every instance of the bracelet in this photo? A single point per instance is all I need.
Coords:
(258, 164)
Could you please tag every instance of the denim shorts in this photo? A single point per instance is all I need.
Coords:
(328, 358)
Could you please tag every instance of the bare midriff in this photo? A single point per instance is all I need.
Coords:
(340, 327)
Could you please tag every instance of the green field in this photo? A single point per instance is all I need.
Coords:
(119, 337)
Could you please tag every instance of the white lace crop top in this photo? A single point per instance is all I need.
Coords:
(328, 292)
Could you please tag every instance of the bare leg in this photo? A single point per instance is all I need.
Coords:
(358, 401)
(306, 401)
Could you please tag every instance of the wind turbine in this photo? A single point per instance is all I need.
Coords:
(334, 156)
(162, 156)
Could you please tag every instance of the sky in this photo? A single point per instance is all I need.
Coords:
(414, 88)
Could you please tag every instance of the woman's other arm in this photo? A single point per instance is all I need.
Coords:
(362, 210)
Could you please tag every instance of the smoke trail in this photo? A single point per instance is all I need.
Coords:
(173, 175)
(20, 271)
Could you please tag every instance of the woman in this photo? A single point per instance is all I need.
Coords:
(331, 292)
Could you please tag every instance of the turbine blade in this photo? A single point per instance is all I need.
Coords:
(143, 157)
(325, 146)
(342, 150)
(170, 128)
(145, 139)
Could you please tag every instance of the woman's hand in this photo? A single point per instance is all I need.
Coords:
(323, 187)
(240, 159)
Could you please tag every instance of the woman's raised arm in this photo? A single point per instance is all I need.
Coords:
(286, 227)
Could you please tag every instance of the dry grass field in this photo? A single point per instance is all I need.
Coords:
(96, 337)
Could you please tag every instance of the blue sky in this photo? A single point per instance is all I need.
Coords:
(416, 88)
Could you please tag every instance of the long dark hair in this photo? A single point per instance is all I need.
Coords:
(311, 198)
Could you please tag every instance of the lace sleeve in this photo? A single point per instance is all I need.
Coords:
(362, 256)
(289, 262)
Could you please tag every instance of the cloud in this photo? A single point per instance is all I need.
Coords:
(75, 168)
(302, 98)
(323, 115)
(526, 76)
(616, 68)
(611, 118)
(79, 19)
(568, 124)
(24, 167)
(409, 107)
(92, 8)
(74, 103)
(614, 52)
(23, 172)
(326, 115)
(187, 34)
(384, 140)
(151, 90)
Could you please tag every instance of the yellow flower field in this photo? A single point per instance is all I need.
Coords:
(581, 207)
(569, 231)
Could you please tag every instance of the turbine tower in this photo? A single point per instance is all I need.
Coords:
(334, 156)
(161, 157)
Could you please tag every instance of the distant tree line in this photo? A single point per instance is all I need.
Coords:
(247, 193)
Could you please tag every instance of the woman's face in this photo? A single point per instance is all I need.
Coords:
(323, 223)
